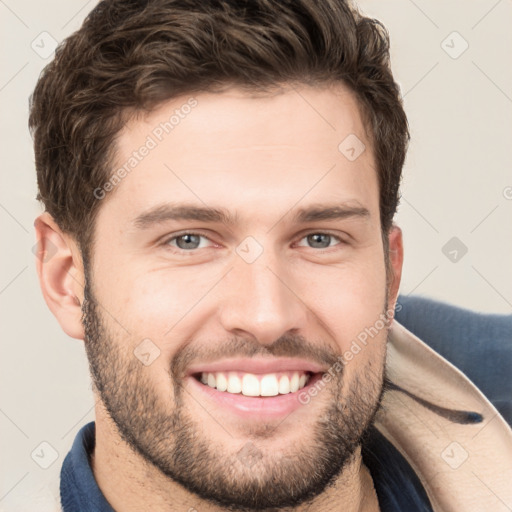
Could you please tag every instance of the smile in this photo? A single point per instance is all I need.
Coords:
(250, 384)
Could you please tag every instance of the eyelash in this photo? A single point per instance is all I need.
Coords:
(194, 233)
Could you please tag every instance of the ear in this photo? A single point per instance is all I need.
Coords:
(60, 269)
(396, 259)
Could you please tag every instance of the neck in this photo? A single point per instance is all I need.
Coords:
(129, 483)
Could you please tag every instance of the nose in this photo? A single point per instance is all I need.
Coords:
(259, 301)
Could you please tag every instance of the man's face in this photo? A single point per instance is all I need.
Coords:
(252, 302)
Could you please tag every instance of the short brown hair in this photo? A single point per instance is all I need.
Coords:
(130, 56)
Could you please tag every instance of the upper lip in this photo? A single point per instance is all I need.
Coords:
(257, 366)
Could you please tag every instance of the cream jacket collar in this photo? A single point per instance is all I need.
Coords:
(464, 467)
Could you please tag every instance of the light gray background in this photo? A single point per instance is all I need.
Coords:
(458, 183)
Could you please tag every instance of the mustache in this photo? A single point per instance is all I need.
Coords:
(288, 345)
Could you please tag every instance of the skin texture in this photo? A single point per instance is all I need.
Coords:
(159, 444)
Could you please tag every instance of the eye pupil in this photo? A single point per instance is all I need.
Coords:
(319, 238)
(189, 239)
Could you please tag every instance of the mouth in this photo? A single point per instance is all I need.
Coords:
(256, 385)
(254, 389)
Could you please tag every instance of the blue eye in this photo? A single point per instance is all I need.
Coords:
(320, 240)
(191, 241)
(187, 241)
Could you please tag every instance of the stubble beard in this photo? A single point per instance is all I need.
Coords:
(175, 443)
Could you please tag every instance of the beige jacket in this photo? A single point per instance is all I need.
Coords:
(463, 467)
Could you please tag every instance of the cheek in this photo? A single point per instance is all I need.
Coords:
(150, 302)
(348, 299)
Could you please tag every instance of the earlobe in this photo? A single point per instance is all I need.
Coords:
(60, 270)
(396, 259)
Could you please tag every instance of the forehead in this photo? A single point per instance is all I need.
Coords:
(246, 152)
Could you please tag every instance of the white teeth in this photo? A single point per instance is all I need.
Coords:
(269, 386)
(234, 383)
(284, 385)
(250, 384)
(222, 382)
(294, 382)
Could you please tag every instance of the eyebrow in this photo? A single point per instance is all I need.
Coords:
(312, 213)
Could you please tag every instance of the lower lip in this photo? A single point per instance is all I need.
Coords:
(268, 407)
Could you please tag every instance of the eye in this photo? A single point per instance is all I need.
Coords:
(187, 241)
(190, 241)
(320, 240)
